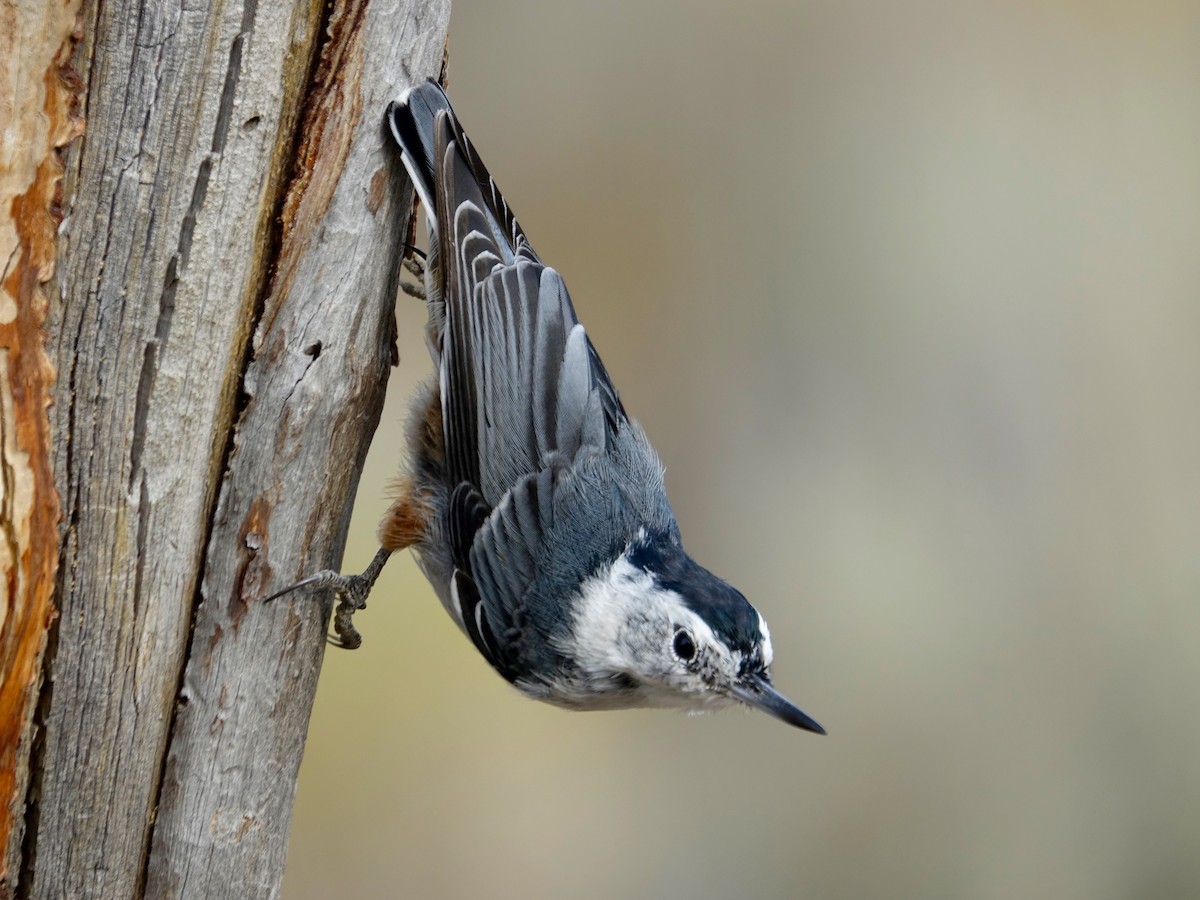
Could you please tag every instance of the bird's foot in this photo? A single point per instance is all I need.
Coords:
(415, 265)
(351, 592)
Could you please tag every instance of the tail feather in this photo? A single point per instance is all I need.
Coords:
(413, 120)
(417, 123)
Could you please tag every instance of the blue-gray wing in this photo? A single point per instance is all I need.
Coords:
(555, 528)
(521, 382)
(522, 387)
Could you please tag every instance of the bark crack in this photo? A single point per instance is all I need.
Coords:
(312, 351)
(179, 261)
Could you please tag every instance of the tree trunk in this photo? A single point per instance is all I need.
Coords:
(222, 332)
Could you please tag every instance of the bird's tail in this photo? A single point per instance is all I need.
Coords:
(413, 120)
(445, 169)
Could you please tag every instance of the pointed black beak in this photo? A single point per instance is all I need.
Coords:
(756, 691)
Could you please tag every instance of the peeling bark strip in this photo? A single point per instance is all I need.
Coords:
(35, 47)
(229, 187)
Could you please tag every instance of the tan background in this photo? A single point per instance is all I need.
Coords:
(908, 298)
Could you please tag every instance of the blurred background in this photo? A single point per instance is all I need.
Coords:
(908, 298)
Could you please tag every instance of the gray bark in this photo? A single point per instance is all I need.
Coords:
(228, 268)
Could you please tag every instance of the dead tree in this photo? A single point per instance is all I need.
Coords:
(213, 346)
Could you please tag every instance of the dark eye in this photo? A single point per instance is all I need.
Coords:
(685, 648)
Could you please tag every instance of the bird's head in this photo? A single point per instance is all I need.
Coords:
(673, 634)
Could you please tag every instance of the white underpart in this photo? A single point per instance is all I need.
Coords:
(624, 624)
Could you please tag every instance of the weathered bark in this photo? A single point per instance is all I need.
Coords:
(36, 119)
(227, 269)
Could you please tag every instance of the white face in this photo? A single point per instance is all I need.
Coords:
(627, 626)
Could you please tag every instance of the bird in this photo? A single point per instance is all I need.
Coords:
(534, 504)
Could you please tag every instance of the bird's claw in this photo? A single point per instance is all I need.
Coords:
(351, 595)
(416, 267)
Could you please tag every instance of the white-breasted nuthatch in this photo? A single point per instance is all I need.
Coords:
(534, 504)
